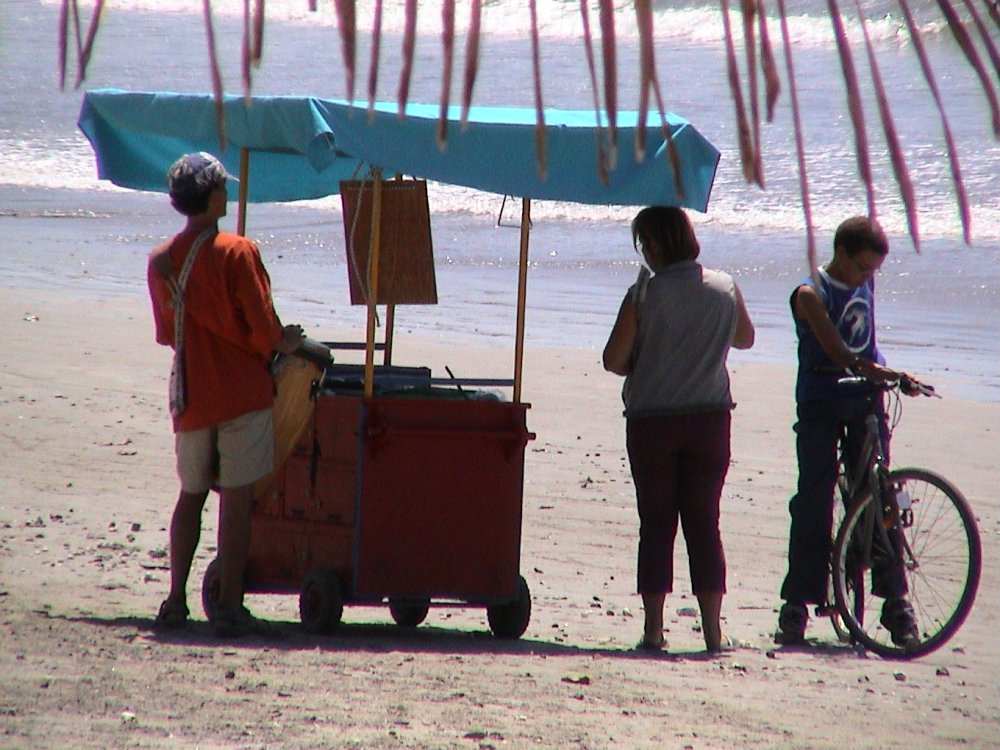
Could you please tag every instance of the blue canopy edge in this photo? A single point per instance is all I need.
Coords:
(303, 147)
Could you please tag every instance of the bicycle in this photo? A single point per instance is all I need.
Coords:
(911, 522)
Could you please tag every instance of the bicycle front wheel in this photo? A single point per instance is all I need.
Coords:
(941, 561)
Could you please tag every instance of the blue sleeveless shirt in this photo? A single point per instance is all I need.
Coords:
(852, 311)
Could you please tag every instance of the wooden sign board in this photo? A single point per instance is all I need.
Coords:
(406, 256)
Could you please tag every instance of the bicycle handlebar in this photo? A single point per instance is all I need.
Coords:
(906, 383)
(909, 384)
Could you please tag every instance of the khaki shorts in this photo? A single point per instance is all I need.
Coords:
(230, 454)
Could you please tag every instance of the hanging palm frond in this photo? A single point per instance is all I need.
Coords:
(772, 84)
(536, 63)
(607, 17)
(650, 82)
(970, 33)
(964, 40)
(213, 63)
(409, 46)
(956, 170)
(347, 20)
(748, 156)
(603, 168)
(375, 53)
(749, 10)
(891, 138)
(84, 46)
(448, 55)
(800, 149)
(854, 106)
(471, 57)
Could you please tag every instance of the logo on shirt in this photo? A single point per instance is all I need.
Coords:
(855, 325)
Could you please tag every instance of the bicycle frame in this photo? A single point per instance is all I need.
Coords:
(870, 475)
(907, 535)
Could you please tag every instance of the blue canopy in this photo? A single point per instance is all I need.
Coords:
(303, 147)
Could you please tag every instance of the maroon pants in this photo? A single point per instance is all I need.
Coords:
(679, 464)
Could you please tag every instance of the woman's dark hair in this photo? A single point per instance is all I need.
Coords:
(859, 233)
(671, 230)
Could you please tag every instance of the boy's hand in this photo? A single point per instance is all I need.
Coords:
(874, 371)
(909, 385)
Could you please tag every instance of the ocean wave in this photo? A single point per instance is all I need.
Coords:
(39, 131)
(696, 23)
(734, 206)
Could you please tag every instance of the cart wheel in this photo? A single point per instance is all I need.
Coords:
(510, 620)
(210, 585)
(321, 602)
(408, 614)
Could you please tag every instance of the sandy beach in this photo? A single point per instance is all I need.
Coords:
(87, 487)
(87, 481)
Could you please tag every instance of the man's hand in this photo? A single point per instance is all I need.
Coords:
(291, 337)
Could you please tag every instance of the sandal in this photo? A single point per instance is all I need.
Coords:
(172, 615)
(727, 644)
(239, 622)
(654, 646)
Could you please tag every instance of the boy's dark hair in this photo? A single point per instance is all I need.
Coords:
(859, 233)
(191, 204)
(670, 228)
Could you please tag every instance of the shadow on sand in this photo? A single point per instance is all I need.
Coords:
(375, 639)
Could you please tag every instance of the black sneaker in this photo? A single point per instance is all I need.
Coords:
(792, 623)
(900, 620)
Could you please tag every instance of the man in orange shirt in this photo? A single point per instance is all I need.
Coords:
(212, 304)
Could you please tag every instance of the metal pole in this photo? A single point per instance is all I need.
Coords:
(373, 261)
(390, 320)
(390, 313)
(241, 216)
(522, 293)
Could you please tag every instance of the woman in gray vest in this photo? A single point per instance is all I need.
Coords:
(670, 341)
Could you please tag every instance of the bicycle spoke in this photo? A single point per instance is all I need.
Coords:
(941, 564)
(907, 534)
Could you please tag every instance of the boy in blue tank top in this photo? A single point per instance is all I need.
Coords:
(835, 324)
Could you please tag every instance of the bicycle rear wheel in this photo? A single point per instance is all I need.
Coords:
(942, 561)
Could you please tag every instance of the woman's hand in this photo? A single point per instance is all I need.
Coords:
(744, 335)
(618, 350)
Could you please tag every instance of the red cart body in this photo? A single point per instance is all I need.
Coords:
(411, 496)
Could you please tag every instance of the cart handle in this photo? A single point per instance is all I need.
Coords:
(507, 382)
(517, 438)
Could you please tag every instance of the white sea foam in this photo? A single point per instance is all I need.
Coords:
(690, 37)
(691, 23)
(70, 166)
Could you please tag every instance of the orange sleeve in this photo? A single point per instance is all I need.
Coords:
(252, 293)
(158, 296)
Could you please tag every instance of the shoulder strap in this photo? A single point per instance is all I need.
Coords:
(189, 260)
(163, 266)
(178, 381)
(177, 285)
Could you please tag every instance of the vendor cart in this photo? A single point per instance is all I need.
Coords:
(393, 485)
(409, 497)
